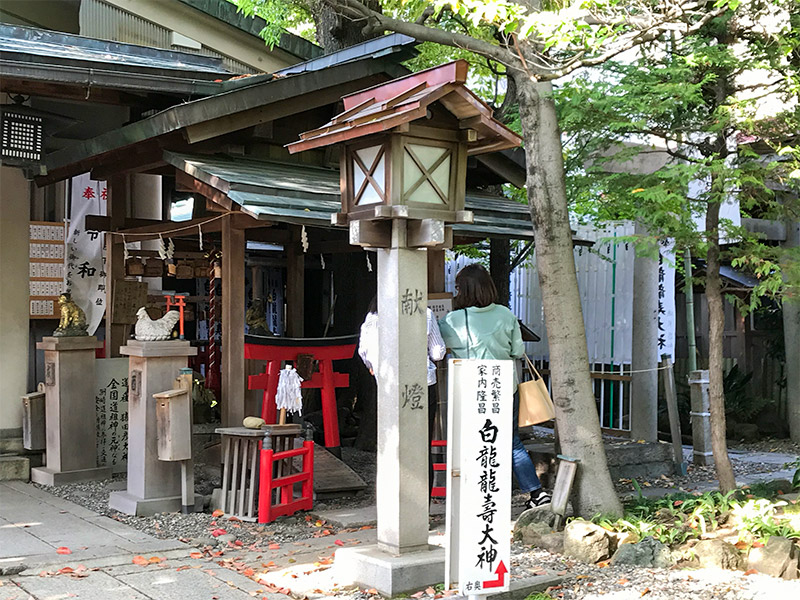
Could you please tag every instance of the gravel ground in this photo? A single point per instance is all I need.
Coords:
(586, 581)
(581, 580)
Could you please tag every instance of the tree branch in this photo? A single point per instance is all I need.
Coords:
(357, 10)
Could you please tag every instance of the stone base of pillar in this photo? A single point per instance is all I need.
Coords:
(47, 476)
(369, 567)
(129, 504)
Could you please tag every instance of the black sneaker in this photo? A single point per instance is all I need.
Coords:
(540, 500)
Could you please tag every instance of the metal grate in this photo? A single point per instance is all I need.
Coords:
(22, 137)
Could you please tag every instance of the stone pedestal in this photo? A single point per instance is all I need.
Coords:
(390, 575)
(701, 418)
(153, 486)
(70, 412)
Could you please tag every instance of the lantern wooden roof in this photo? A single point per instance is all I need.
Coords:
(387, 106)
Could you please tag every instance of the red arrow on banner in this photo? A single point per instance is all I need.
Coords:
(501, 577)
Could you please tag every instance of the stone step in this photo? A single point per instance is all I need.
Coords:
(10, 445)
(626, 459)
(15, 467)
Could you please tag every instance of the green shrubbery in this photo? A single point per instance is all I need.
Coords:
(756, 513)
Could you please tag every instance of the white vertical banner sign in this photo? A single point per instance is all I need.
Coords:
(666, 299)
(84, 275)
(479, 475)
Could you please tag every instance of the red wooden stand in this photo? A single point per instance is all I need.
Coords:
(275, 350)
(439, 491)
(277, 480)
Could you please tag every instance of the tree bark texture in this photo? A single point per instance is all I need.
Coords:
(576, 412)
(716, 326)
(334, 31)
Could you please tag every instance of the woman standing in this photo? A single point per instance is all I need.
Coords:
(479, 328)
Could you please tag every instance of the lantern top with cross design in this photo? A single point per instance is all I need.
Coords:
(406, 144)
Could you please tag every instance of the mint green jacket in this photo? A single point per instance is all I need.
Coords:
(493, 333)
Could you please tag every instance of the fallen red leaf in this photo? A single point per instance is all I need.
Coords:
(248, 572)
(430, 591)
(751, 572)
(139, 560)
(646, 591)
(237, 543)
(63, 550)
(338, 542)
(63, 570)
(217, 513)
(758, 544)
(274, 546)
(195, 555)
(218, 532)
(623, 581)
(268, 565)
(155, 560)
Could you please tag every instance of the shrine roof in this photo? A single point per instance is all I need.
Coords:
(54, 45)
(400, 101)
(317, 77)
(306, 195)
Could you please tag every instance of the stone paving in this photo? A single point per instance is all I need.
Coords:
(108, 560)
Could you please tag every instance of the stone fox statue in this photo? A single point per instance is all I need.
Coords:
(73, 319)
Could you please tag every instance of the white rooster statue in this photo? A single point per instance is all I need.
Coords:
(147, 330)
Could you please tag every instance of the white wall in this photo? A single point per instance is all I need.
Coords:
(14, 308)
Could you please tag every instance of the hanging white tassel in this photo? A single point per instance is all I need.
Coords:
(125, 255)
(304, 239)
(288, 395)
(170, 249)
(162, 248)
(369, 262)
(200, 235)
(322, 261)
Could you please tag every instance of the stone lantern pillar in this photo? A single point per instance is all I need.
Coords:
(403, 179)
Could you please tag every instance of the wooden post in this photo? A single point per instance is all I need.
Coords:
(436, 271)
(672, 409)
(499, 268)
(118, 192)
(233, 372)
(295, 286)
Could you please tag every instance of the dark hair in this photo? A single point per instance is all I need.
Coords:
(474, 287)
(373, 305)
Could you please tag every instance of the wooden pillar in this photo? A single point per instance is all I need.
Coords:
(435, 271)
(500, 268)
(233, 371)
(118, 195)
(295, 286)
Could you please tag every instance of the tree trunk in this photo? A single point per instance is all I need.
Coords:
(716, 326)
(334, 31)
(576, 412)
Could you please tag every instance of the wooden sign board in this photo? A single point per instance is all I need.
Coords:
(440, 304)
(129, 297)
(46, 257)
(480, 428)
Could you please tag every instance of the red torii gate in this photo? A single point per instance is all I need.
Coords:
(275, 350)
